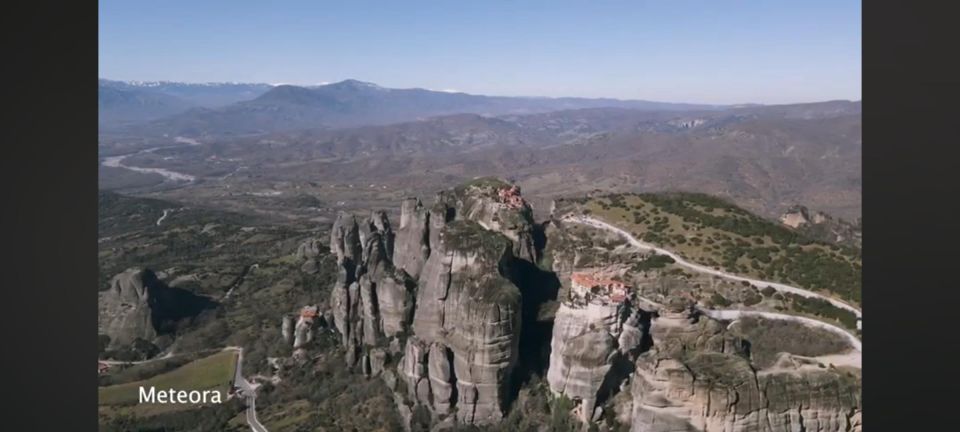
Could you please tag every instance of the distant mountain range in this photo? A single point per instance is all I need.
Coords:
(130, 102)
(766, 158)
(244, 109)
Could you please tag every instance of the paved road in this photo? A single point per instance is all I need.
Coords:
(732, 314)
(704, 269)
(248, 391)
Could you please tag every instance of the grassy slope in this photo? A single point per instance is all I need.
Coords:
(712, 232)
(209, 373)
(768, 338)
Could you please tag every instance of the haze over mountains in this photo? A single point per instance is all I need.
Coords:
(241, 109)
(766, 158)
(122, 102)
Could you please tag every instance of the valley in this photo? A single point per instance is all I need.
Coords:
(384, 284)
(483, 263)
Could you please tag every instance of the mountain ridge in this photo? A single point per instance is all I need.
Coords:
(351, 103)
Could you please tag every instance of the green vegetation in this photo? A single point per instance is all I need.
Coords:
(208, 418)
(209, 252)
(210, 373)
(822, 308)
(655, 261)
(768, 338)
(715, 233)
(469, 236)
(717, 300)
(535, 409)
(143, 371)
(752, 297)
(327, 396)
(484, 183)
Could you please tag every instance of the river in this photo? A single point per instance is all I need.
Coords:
(117, 162)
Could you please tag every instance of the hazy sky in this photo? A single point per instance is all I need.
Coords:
(709, 51)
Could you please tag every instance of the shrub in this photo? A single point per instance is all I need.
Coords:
(718, 300)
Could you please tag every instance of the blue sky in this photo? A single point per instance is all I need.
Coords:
(709, 51)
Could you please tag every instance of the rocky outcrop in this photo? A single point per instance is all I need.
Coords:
(821, 226)
(378, 223)
(412, 245)
(126, 311)
(436, 301)
(372, 300)
(468, 314)
(345, 241)
(587, 342)
(309, 252)
(715, 391)
(303, 331)
(139, 305)
(286, 328)
(698, 378)
(482, 201)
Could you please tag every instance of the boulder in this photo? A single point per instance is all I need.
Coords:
(139, 305)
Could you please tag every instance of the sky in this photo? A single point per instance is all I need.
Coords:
(707, 51)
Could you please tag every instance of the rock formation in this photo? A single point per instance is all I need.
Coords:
(468, 313)
(412, 243)
(303, 331)
(286, 329)
(309, 252)
(139, 305)
(436, 301)
(435, 311)
(372, 300)
(483, 202)
(588, 340)
(821, 226)
(698, 378)
(345, 241)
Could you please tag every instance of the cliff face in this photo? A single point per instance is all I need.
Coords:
(412, 245)
(697, 378)
(436, 301)
(138, 305)
(467, 324)
(309, 252)
(482, 201)
(371, 300)
(127, 314)
(587, 342)
(435, 310)
(685, 371)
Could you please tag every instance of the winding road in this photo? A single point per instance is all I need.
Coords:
(248, 391)
(165, 213)
(707, 270)
(733, 314)
(737, 314)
